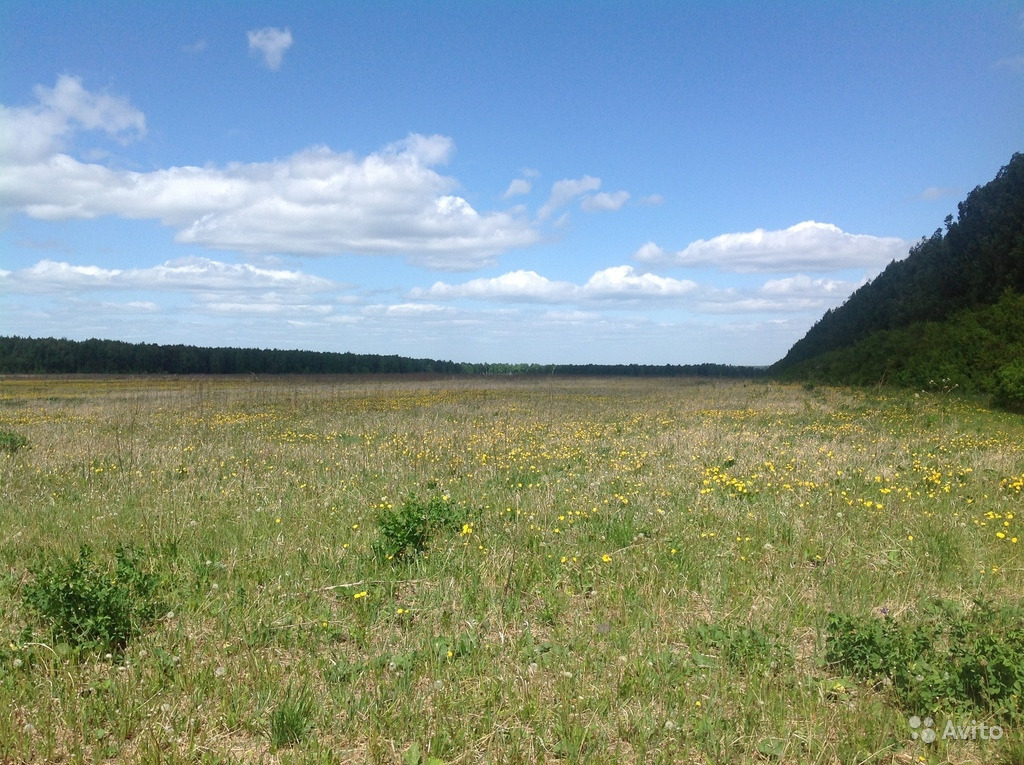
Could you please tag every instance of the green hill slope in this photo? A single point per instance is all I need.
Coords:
(952, 310)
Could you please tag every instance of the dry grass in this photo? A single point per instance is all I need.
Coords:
(615, 524)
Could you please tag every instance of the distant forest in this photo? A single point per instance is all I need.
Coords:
(20, 355)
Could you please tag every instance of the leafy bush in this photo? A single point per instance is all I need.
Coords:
(409, 528)
(949, 659)
(86, 604)
(10, 442)
(1009, 386)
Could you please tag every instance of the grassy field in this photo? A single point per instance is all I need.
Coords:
(507, 570)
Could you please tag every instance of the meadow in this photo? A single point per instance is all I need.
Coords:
(508, 570)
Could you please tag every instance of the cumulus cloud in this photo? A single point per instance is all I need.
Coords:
(624, 281)
(517, 187)
(271, 43)
(567, 190)
(32, 133)
(528, 286)
(563, 192)
(615, 283)
(791, 294)
(605, 201)
(414, 309)
(314, 202)
(803, 285)
(189, 274)
(807, 246)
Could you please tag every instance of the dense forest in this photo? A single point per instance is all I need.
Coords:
(951, 314)
(978, 258)
(20, 355)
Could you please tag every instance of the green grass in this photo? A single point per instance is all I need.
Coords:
(505, 570)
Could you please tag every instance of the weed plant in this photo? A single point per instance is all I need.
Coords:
(86, 604)
(11, 442)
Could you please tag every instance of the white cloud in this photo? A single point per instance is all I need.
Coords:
(526, 286)
(31, 133)
(263, 308)
(624, 281)
(615, 283)
(315, 202)
(801, 284)
(652, 200)
(414, 309)
(565, 191)
(807, 246)
(517, 187)
(189, 274)
(1010, 63)
(758, 305)
(271, 43)
(791, 294)
(933, 193)
(131, 307)
(605, 201)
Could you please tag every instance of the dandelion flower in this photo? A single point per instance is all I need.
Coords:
(606, 558)
(359, 595)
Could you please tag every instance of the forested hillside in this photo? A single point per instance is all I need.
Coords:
(950, 311)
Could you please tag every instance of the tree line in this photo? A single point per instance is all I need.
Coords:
(21, 355)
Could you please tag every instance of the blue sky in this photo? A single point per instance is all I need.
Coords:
(605, 182)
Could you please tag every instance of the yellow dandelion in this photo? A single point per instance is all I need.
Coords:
(606, 558)
(359, 595)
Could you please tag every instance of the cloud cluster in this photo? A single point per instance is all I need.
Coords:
(32, 134)
(392, 202)
(189, 274)
(616, 283)
(315, 202)
(807, 246)
(567, 190)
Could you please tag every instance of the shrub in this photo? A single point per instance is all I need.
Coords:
(409, 528)
(10, 442)
(1009, 386)
(86, 604)
(947, 659)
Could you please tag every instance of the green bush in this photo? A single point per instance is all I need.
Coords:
(1009, 386)
(87, 604)
(948, 659)
(10, 442)
(409, 528)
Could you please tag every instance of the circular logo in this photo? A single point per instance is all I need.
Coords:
(927, 735)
